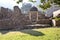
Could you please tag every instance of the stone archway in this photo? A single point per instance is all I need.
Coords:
(33, 14)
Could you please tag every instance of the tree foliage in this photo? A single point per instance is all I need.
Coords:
(57, 2)
(48, 3)
(45, 4)
(42, 1)
(32, 1)
(26, 7)
(19, 1)
(29, 0)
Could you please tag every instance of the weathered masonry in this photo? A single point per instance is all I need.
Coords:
(33, 14)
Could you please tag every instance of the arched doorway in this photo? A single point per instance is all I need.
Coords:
(33, 14)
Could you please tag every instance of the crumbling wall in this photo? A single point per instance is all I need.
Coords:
(17, 20)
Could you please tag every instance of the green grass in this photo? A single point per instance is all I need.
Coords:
(31, 34)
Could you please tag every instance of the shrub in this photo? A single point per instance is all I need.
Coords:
(57, 19)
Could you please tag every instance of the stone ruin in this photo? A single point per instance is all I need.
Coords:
(16, 20)
(5, 21)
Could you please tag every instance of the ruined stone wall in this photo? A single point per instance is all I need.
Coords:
(45, 21)
(15, 19)
(58, 23)
(19, 19)
(6, 24)
(5, 19)
(4, 12)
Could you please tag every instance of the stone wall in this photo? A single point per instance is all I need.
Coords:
(5, 18)
(16, 20)
(45, 21)
(6, 24)
(57, 23)
(4, 12)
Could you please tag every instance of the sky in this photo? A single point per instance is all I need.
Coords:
(10, 3)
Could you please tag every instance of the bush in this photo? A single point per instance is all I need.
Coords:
(57, 19)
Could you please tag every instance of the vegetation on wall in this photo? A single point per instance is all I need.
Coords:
(57, 19)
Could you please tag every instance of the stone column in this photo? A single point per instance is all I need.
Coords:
(37, 16)
(30, 16)
(54, 22)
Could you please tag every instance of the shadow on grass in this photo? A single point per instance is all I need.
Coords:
(33, 32)
(30, 32)
(4, 31)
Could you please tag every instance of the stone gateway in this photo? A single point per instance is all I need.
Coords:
(33, 14)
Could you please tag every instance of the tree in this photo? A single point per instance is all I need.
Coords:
(29, 0)
(26, 7)
(57, 2)
(48, 3)
(19, 1)
(32, 1)
(43, 1)
(45, 4)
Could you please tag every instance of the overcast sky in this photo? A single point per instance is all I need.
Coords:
(10, 3)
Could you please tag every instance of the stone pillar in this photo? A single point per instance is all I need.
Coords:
(30, 16)
(54, 22)
(37, 16)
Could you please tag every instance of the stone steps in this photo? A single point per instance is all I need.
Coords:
(39, 25)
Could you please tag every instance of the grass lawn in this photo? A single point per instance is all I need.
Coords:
(31, 34)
